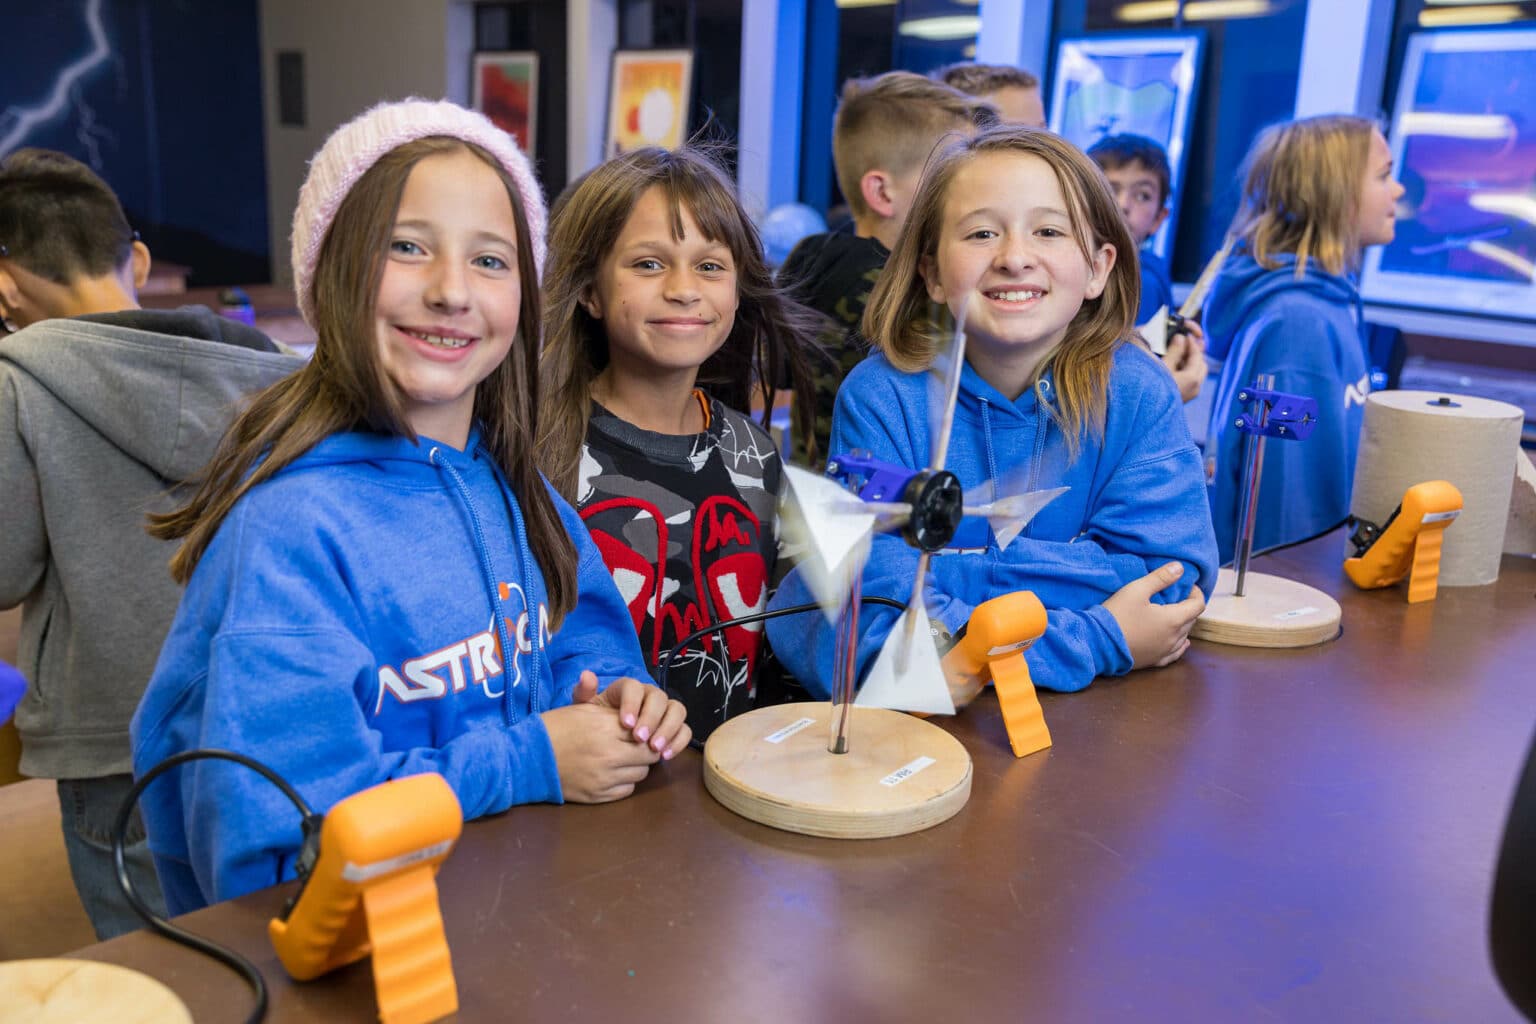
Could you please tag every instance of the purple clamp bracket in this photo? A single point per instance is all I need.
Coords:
(932, 503)
(873, 479)
(1291, 417)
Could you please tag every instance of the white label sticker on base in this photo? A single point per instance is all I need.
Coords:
(906, 771)
(788, 731)
(1440, 517)
(1295, 612)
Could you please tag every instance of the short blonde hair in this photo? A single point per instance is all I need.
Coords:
(1301, 192)
(985, 79)
(892, 122)
(900, 317)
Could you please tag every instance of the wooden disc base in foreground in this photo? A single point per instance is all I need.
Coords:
(1273, 612)
(900, 774)
(83, 992)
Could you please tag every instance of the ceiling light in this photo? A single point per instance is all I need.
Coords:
(1194, 10)
(949, 26)
(1483, 14)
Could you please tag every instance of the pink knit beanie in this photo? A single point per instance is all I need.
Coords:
(358, 145)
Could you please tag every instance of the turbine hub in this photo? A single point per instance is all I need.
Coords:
(937, 502)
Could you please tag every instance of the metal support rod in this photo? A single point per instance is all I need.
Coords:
(1253, 470)
(845, 669)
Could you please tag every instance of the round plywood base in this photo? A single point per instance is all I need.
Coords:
(900, 774)
(83, 992)
(1273, 612)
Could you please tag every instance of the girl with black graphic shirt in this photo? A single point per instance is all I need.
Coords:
(661, 323)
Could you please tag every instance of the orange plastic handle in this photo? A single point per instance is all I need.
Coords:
(999, 632)
(1410, 546)
(373, 889)
(1003, 626)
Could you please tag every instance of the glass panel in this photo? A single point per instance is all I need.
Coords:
(1415, 15)
(1252, 56)
(932, 33)
(859, 38)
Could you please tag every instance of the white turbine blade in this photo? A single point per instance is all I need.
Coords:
(919, 685)
(1155, 331)
(1008, 516)
(948, 366)
(982, 494)
(829, 530)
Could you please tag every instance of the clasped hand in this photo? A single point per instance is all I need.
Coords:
(605, 743)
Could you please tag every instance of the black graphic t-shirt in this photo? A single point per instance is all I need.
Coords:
(686, 525)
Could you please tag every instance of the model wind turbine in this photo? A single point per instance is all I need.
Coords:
(1254, 609)
(893, 774)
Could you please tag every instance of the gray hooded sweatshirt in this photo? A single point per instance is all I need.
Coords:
(100, 418)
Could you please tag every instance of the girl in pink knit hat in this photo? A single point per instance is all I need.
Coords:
(379, 582)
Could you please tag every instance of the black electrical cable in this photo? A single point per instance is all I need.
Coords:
(239, 964)
(742, 620)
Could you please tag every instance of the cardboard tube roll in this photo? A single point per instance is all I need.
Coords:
(1412, 436)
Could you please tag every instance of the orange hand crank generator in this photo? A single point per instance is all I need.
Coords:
(996, 637)
(373, 888)
(1409, 543)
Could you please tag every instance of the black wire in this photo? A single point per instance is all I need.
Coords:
(237, 963)
(763, 616)
(1287, 545)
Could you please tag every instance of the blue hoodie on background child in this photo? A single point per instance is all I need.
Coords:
(1306, 331)
(1286, 304)
(1051, 394)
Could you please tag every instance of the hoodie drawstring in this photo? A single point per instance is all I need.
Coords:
(986, 441)
(1043, 409)
(535, 619)
(488, 575)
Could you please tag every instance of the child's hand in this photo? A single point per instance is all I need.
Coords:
(644, 709)
(597, 758)
(1157, 634)
(1185, 359)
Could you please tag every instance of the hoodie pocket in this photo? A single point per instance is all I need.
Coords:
(35, 674)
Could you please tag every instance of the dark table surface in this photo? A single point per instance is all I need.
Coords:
(1248, 835)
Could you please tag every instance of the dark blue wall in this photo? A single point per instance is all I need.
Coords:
(168, 111)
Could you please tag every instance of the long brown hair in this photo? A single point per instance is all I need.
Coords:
(1301, 192)
(770, 341)
(344, 387)
(901, 319)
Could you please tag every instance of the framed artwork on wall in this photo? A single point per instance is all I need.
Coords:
(1463, 143)
(506, 90)
(648, 99)
(1140, 84)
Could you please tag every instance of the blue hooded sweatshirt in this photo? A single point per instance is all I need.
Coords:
(1136, 502)
(345, 627)
(1305, 331)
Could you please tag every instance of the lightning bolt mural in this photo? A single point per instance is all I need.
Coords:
(17, 122)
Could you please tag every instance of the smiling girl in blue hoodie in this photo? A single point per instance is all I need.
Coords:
(1018, 228)
(379, 583)
(1316, 193)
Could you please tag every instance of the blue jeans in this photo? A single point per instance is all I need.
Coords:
(90, 807)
